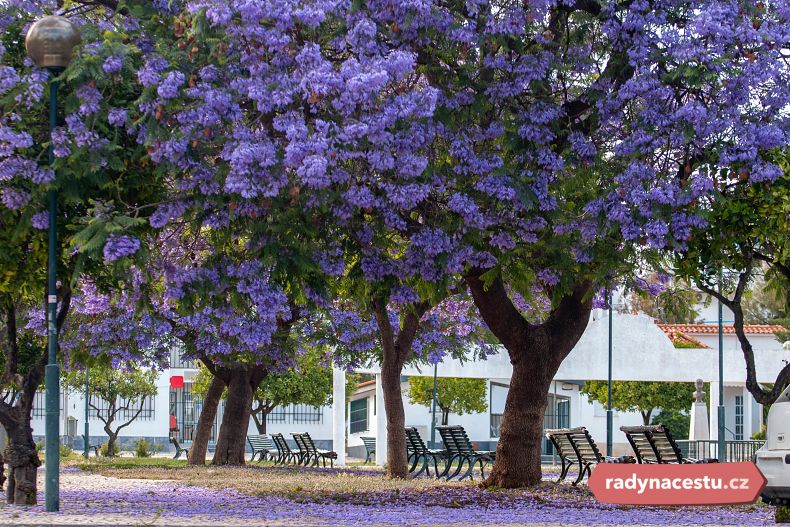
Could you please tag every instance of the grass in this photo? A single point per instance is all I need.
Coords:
(259, 478)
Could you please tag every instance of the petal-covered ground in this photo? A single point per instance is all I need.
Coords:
(92, 499)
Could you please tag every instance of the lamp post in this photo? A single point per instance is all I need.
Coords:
(49, 43)
(87, 413)
(609, 412)
(721, 443)
(433, 408)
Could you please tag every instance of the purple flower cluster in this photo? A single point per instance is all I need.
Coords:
(120, 246)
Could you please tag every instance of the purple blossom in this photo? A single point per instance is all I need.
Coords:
(90, 99)
(117, 117)
(40, 220)
(14, 199)
(112, 64)
(168, 89)
(119, 246)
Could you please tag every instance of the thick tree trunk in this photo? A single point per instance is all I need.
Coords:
(231, 443)
(521, 433)
(536, 352)
(197, 452)
(397, 462)
(2, 471)
(23, 463)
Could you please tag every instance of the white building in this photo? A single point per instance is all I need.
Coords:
(642, 351)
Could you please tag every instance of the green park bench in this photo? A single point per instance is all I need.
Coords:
(655, 444)
(179, 449)
(419, 455)
(575, 446)
(262, 446)
(312, 453)
(459, 450)
(370, 447)
(284, 453)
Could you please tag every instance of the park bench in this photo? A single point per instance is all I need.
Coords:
(284, 452)
(312, 453)
(419, 454)
(654, 444)
(179, 448)
(575, 446)
(262, 446)
(459, 449)
(370, 447)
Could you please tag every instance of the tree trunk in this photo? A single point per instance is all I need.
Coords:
(23, 462)
(397, 462)
(197, 452)
(518, 454)
(2, 471)
(263, 410)
(113, 438)
(536, 352)
(231, 443)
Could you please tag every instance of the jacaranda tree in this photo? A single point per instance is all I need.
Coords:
(529, 150)
(104, 184)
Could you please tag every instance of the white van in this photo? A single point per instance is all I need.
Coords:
(773, 459)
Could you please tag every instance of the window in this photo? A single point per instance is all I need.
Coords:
(40, 405)
(296, 413)
(177, 359)
(186, 408)
(358, 420)
(739, 417)
(147, 414)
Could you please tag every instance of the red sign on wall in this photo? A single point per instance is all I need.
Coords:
(688, 484)
(177, 381)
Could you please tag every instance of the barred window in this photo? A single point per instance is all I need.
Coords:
(102, 408)
(177, 359)
(296, 414)
(40, 404)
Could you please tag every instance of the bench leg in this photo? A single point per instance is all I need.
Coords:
(457, 470)
(565, 466)
(582, 470)
(423, 468)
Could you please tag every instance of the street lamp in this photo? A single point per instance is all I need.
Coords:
(49, 43)
(721, 445)
(609, 412)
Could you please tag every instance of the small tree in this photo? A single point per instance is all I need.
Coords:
(453, 394)
(123, 392)
(644, 397)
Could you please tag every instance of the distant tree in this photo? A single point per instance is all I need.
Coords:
(676, 304)
(644, 397)
(453, 395)
(678, 422)
(117, 395)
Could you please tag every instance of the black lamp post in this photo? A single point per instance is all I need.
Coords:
(49, 43)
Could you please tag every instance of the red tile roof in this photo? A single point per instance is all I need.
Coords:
(705, 329)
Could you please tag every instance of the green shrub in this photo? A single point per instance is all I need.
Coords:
(782, 514)
(142, 448)
(65, 451)
(760, 434)
(104, 449)
(677, 422)
(40, 446)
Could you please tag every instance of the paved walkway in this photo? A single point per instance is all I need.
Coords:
(89, 499)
